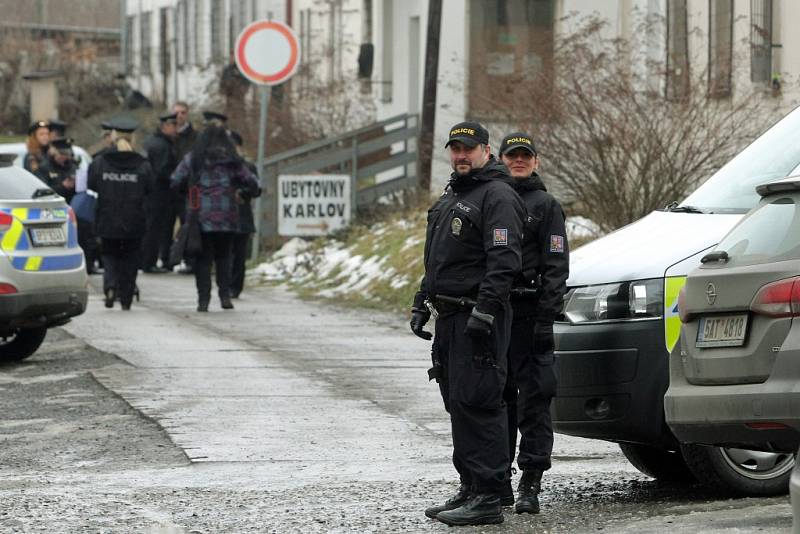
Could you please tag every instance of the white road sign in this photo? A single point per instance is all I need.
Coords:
(267, 52)
(313, 204)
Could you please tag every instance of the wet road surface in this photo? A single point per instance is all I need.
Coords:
(279, 416)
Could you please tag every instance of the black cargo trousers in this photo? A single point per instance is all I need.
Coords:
(530, 388)
(473, 377)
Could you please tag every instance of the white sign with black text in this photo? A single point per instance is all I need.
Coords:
(313, 204)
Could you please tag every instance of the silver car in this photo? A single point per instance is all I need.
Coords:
(43, 281)
(735, 375)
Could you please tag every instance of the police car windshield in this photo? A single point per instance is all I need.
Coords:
(18, 184)
(773, 155)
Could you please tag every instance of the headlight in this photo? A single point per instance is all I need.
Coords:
(641, 299)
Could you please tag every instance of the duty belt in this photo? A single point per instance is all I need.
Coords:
(447, 304)
(524, 293)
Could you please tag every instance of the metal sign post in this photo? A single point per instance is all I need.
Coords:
(267, 54)
(264, 93)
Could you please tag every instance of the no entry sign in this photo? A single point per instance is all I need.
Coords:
(267, 52)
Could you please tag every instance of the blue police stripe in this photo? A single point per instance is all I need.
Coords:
(51, 263)
(34, 214)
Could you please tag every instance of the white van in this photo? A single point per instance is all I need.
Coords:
(620, 322)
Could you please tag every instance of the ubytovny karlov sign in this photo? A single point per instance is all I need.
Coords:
(313, 204)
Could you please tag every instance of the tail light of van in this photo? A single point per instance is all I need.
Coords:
(7, 289)
(778, 299)
(6, 220)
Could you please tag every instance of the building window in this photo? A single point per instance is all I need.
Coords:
(761, 41)
(720, 47)
(511, 45)
(677, 50)
(145, 39)
(130, 27)
(387, 53)
(180, 30)
(217, 31)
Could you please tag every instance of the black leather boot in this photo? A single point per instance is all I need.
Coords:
(528, 492)
(111, 296)
(480, 509)
(226, 303)
(452, 503)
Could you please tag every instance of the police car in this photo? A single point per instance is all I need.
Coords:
(19, 150)
(620, 323)
(43, 281)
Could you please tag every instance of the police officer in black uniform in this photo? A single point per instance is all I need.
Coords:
(160, 151)
(536, 300)
(122, 180)
(247, 225)
(472, 256)
(59, 168)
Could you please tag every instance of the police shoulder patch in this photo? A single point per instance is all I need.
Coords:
(501, 236)
(556, 243)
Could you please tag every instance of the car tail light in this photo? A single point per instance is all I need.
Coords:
(7, 289)
(682, 313)
(766, 425)
(778, 299)
(6, 219)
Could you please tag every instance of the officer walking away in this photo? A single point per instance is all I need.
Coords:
(536, 299)
(122, 180)
(59, 168)
(36, 145)
(472, 256)
(161, 155)
(247, 226)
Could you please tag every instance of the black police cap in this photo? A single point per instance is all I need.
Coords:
(62, 143)
(56, 125)
(36, 125)
(469, 133)
(105, 125)
(209, 116)
(171, 116)
(123, 124)
(517, 140)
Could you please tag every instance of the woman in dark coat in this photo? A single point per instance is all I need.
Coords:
(211, 176)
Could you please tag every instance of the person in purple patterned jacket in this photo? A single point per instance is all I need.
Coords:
(211, 177)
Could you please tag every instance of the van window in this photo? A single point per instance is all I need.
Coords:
(771, 156)
(770, 233)
(18, 184)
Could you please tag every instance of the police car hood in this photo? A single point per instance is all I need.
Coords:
(647, 247)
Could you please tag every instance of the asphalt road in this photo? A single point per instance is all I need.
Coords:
(279, 416)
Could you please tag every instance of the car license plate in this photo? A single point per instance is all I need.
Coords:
(43, 237)
(723, 331)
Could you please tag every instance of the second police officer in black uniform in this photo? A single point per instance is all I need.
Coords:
(59, 168)
(536, 300)
(472, 256)
(122, 180)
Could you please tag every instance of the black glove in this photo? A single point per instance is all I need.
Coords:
(479, 324)
(543, 339)
(418, 320)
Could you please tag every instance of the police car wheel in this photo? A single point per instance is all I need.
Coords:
(740, 471)
(21, 343)
(660, 464)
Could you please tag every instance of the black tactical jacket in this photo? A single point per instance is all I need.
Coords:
(473, 245)
(54, 174)
(122, 181)
(161, 155)
(545, 252)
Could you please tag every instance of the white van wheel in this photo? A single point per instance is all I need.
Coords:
(22, 343)
(740, 471)
(657, 463)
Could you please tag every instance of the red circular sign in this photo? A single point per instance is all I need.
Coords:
(267, 52)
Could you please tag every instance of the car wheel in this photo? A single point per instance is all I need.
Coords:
(740, 471)
(22, 343)
(657, 463)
